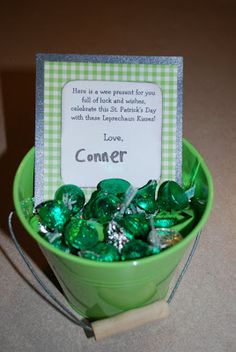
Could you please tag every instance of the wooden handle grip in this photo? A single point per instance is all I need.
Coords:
(130, 319)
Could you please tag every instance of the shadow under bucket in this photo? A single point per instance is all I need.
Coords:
(97, 290)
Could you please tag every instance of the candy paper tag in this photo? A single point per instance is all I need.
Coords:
(110, 129)
(103, 117)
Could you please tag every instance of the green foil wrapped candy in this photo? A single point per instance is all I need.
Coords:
(98, 227)
(163, 238)
(88, 208)
(59, 244)
(136, 225)
(164, 220)
(37, 226)
(72, 196)
(87, 212)
(78, 215)
(181, 221)
(53, 215)
(79, 234)
(54, 238)
(102, 252)
(171, 196)
(116, 186)
(131, 209)
(105, 207)
(145, 198)
(135, 249)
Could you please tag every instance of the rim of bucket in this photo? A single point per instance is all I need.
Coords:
(127, 263)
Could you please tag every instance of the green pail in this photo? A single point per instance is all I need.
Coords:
(97, 290)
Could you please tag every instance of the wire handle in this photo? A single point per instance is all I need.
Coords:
(85, 324)
(69, 314)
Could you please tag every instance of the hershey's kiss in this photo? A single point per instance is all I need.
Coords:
(72, 197)
(53, 215)
(102, 252)
(145, 198)
(163, 238)
(116, 186)
(104, 207)
(135, 249)
(79, 234)
(135, 224)
(171, 196)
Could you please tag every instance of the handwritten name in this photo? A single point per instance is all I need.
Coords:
(117, 156)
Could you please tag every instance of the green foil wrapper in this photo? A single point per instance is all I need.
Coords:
(53, 215)
(79, 234)
(181, 221)
(135, 225)
(98, 227)
(72, 197)
(131, 209)
(59, 244)
(135, 249)
(102, 252)
(104, 207)
(87, 212)
(54, 238)
(36, 225)
(116, 186)
(171, 197)
(163, 238)
(145, 198)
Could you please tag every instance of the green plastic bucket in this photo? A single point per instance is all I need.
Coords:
(98, 290)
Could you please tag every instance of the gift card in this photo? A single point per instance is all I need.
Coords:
(103, 117)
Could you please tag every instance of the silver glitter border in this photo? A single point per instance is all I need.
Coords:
(39, 130)
(118, 59)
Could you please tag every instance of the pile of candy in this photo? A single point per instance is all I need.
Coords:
(118, 222)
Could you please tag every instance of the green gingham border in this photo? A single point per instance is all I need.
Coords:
(57, 73)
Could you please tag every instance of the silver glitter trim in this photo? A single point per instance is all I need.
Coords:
(39, 131)
(179, 120)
